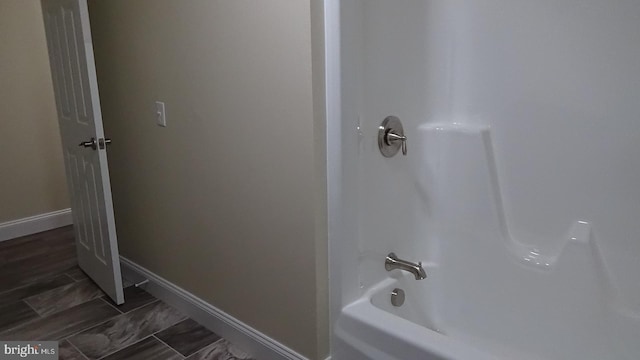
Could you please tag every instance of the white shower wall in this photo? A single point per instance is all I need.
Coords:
(557, 82)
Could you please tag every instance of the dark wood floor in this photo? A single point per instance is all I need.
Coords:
(45, 296)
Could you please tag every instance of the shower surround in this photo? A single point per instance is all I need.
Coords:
(519, 191)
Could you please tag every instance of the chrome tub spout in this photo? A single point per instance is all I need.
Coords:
(392, 262)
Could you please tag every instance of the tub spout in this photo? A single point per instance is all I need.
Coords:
(392, 262)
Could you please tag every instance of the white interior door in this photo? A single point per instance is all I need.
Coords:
(76, 91)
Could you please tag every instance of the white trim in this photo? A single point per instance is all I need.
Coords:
(335, 155)
(247, 338)
(35, 224)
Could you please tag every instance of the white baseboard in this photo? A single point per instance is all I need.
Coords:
(259, 345)
(35, 224)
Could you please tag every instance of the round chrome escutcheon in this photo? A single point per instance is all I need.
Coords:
(391, 137)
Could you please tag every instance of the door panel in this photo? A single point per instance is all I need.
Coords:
(77, 100)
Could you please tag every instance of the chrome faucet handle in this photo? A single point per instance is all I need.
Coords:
(391, 137)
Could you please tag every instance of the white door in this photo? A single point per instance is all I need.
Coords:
(85, 156)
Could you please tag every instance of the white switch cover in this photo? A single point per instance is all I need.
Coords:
(161, 116)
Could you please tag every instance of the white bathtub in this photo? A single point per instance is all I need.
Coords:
(372, 328)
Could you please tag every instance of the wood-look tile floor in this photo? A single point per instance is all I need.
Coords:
(45, 296)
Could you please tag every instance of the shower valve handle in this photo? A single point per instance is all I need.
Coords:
(392, 137)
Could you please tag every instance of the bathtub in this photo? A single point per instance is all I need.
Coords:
(372, 328)
(406, 331)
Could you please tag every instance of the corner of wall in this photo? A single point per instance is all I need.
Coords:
(320, 169)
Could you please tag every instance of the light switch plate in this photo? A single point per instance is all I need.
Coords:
(161, 115)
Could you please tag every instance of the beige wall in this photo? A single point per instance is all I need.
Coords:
(32, 179)
(227, 201)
